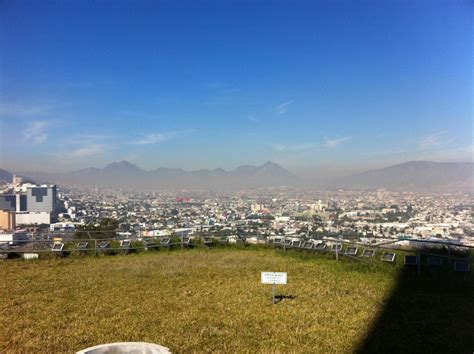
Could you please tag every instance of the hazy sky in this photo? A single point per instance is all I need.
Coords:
(220, 84)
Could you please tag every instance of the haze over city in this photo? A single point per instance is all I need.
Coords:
(321, 88)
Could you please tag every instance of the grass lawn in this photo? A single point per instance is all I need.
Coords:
(212, 300)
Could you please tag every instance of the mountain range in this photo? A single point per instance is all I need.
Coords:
(126, 175)
(413, 176)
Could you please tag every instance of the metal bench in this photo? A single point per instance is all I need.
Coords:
(81, 246)
(208, 242)
(125, 245)
(186, 242)
(351, 251)
(320, 246)
(410, 260)
(336, 247)
(368, 252)
(307, 245)
(165, 242)
(58, 249)
(104, 246)
(295, 244)
(388, 257)
(277, 242)
(148, 243)
(462, 266)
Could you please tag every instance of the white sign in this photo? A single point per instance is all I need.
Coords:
(274, 278)
(30, 255)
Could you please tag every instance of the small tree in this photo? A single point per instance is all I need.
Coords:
(106, 229)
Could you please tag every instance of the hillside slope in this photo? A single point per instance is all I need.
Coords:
(420, 176)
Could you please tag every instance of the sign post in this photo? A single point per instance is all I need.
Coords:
(274, 278)
(273, 294)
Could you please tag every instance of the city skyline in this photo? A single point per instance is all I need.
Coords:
(341, 85)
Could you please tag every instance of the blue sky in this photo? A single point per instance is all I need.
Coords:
(340, 84)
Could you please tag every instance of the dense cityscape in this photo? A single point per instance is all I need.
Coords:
(258, 216)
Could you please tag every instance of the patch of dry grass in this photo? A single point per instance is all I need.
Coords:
(192, 300)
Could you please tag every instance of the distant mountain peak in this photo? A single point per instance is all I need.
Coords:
(270, 163)
(122, 166)
(274, 169)
(121, 163)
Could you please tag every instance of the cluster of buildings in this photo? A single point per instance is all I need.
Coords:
(23, 204)
(257, 215)
(369, 216)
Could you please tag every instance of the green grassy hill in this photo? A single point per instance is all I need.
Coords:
(212, 300)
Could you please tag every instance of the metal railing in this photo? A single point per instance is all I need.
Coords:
(41, 245)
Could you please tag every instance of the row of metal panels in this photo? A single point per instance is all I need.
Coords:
(433, 261)
(436, 261)
(409, 260)
(83, 245)
(350, 250)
